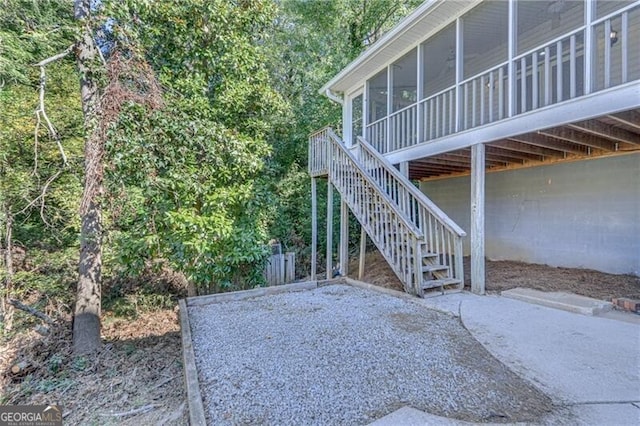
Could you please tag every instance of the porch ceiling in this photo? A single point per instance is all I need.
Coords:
(613, 133)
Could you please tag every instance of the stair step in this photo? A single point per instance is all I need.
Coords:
(439, 283)
(434, 268)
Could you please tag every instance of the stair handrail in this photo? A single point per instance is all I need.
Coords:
(415, 230)
(410, 231)
(421, 198)
(395, 235)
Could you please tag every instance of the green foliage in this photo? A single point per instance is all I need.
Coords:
(47, 272)
(197, 200)
(132, 305)
(313, 42)
(188, 180)
(44, 227)
(30, 31)
(213, 53)
(201, 184)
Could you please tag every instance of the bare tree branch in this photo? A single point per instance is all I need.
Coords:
(53, 58)
(41, 114)
(36, 313)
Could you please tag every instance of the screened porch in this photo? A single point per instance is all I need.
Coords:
(495, 61)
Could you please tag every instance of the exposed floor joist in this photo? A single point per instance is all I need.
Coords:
(543, 141)
(505, 152)
(529, 149)
(627, 118)
(602, 130)
(588, 138)
(570, 135)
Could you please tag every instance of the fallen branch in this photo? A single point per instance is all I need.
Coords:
(141, 410)
(164, 382)
(36, 313)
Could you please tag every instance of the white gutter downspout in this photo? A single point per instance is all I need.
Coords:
(335, 98)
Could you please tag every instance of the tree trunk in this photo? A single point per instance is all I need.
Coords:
(86, 322)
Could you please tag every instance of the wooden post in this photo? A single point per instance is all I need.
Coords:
(344, 238)
(281, 270)
(363, 249)
(329, 228)
(404, 169)
(290, 267)
(314, 229)
(477, 219)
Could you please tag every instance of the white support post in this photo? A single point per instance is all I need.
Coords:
(589, 46)
(314, 229)
(389, 106)
(363, 250)
(404, 169)
(420, 94)
(329, 229)
(460, 111)
(477, 219)
(511, 70)
(344, 238)
(347, 113)
(365, 112)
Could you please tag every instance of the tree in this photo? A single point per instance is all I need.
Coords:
(127, 80)
(86, 321)
(191, 178)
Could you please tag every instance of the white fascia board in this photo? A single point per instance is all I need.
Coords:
(610, 101)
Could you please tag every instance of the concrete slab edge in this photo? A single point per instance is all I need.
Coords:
(384, 290)
(249, 294)
(194, 398)
(332, 281)
(396, 293)
(591, 310)
(438, 293)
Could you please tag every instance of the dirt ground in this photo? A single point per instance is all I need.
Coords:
(136, 378)
(504, 275)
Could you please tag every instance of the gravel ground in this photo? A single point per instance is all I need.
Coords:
(344, 355)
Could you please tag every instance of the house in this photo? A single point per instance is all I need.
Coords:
(519, 119)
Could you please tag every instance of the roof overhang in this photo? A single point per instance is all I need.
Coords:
(427, 19)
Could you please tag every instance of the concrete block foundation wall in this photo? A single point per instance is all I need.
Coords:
(579, 214)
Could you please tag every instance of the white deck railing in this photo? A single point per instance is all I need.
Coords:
(402, 124)
(438, 115)
(442, 236)
(318, 153)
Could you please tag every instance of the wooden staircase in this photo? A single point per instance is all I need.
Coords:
(422, 245)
